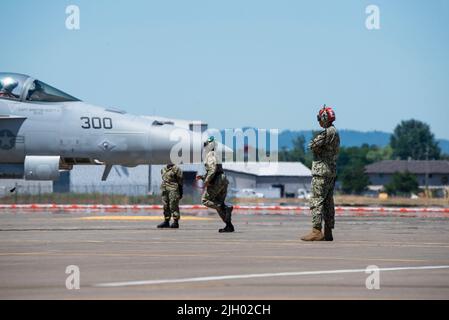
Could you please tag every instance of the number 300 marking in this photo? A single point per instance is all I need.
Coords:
(96, 123)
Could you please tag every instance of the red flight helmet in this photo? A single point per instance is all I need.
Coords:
(326, 115)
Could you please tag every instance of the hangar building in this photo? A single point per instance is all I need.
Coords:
(281, 179)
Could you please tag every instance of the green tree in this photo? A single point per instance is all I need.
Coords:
(413, 138)
(353, 179)
(402, 183)
(297, 153)
(351, 166)
(378, 154)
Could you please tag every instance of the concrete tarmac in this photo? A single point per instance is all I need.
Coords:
(124, 256)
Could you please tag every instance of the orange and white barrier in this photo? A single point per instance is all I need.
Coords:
(238, 209)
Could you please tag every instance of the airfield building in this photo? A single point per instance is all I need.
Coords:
(272, 180)
(432, 173)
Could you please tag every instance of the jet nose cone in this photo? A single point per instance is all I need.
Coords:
(171, 144)
(180, 145)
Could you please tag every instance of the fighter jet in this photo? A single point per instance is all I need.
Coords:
(44, 131)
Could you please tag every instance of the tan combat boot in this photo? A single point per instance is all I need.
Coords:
(315, 235)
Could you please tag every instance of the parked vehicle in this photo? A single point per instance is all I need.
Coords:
(248, 193)
(303, 194)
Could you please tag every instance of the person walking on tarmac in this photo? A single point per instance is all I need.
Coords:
(325, 147)
(216, 186)
(172, 192)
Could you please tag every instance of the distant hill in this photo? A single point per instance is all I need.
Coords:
(444, 145)
(350, 138)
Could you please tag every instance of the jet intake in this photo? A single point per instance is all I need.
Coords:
(41, 167)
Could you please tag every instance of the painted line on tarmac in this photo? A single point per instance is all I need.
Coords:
(257, 275)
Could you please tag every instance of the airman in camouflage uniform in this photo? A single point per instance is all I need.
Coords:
(325, 147)
(216, 186)
(172, 192)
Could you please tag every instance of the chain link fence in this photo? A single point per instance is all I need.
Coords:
(88, 194)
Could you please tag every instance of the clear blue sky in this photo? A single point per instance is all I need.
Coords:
(234, 63)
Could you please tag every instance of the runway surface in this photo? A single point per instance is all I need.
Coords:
(124, 256)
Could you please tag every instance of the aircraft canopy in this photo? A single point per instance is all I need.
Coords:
(20, 87)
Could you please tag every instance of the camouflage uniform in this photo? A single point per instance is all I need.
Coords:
(171, 191)
(217, 187)
(325, 147)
